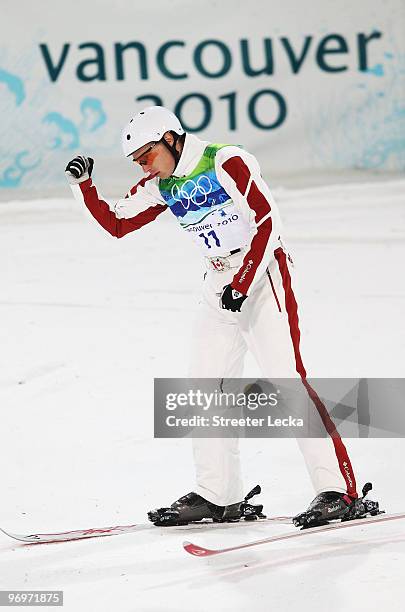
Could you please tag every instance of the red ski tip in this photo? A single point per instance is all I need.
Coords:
(198, 551)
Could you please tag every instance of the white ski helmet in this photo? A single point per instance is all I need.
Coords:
(149, 125)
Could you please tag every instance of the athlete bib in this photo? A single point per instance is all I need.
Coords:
(204, 209)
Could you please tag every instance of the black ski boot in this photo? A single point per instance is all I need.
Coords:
(193, 508)
(332, 505)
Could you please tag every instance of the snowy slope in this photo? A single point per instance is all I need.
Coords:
(87, 322)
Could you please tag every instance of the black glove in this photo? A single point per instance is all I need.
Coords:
(79, 169)
(231, 299)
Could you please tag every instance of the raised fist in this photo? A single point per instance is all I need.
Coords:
(79, 169)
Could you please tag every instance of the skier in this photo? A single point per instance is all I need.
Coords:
(219, 197)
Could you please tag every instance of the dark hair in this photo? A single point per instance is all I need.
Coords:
(172, 148)
(178, 137)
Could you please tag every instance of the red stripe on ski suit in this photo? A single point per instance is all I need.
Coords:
(240, 173)
(106, 217)
(292, 311)
(238, 170)
(140, 183)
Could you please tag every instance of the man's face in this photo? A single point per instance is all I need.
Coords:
(155, 158)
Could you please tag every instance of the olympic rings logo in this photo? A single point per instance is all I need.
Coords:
(195, 192)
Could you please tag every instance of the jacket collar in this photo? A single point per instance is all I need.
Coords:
(190, 156)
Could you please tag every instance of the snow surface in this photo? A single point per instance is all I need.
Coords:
(87, 322)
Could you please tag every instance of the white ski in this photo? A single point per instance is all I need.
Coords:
(201, 551)
(101, 532)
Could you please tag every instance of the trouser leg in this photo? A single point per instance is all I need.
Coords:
(217, 352)
(270, 326)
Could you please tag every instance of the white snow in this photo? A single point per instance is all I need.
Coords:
(87, 322)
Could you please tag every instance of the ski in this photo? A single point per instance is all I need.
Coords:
(102, 532)
(67, 536)
(201, 551)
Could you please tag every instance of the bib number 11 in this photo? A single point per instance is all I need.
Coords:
(206, 237)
